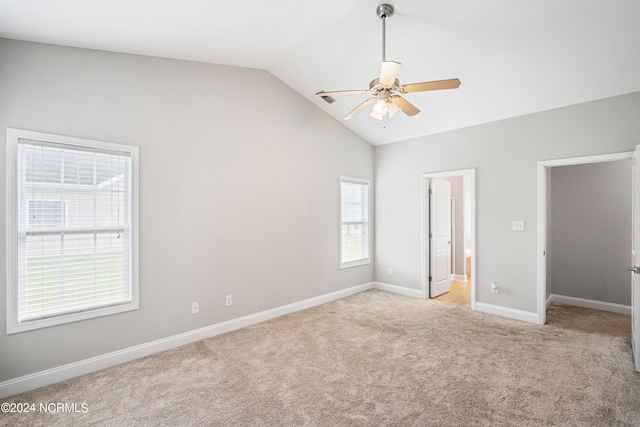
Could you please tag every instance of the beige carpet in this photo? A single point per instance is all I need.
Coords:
(372, 359)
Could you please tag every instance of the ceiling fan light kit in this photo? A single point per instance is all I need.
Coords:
(386, 89)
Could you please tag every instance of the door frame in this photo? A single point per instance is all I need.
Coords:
(469, 184)
(452, 247)
(543, 169)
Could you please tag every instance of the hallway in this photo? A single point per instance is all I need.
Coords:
(460, 294)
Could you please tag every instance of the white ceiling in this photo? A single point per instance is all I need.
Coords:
(513, 57)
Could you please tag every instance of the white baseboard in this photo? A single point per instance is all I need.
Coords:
(401, 290)
(588, 303)
(511, 313)
(71, 370)
(549, 300)
(460, 278)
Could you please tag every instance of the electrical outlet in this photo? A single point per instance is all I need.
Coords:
(495, 288)
(229, 300)
(517, 225)
(195, 307)
(390, 271)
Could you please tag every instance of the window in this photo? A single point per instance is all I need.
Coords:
(46, 213)
(354, 217)
(71, 229)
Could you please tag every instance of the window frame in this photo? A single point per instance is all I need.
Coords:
(12, 240)
(365, 260)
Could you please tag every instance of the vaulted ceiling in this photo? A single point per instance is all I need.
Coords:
(513, 57)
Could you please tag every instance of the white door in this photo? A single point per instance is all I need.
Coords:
(635, 252)
(439, 237)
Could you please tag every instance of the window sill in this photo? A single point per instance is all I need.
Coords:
(15, 327)
(356, 263)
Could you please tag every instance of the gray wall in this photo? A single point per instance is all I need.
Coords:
(239, 189)
(505, 156)
(591, 231)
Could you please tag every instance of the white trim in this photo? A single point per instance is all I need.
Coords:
(424, 231)
(11, 228)
(598, 158)
(510, 313)
(542, 218)
(541, 250)
(356, 263)
(452, 246)
(82, 367)
(548, 301)
(460, 278)
(589, 303)
(470, 174)
(400, 290)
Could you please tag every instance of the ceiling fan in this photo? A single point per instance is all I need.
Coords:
(386, 89)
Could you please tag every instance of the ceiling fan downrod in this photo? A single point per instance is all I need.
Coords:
(384, 11)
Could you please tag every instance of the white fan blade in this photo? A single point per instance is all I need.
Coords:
(389, 72)
(360, 107)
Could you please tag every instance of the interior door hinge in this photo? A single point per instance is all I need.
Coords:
(430, 235)
(430, 278)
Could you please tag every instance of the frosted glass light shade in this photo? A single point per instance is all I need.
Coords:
(389, 72)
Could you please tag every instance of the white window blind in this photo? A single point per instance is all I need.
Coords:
(73, 225)
(46, 213)
(354, 201)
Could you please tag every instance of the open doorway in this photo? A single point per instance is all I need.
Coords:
(584, 233)
(460, 264)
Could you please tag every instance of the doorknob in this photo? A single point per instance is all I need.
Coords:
(634, 269)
